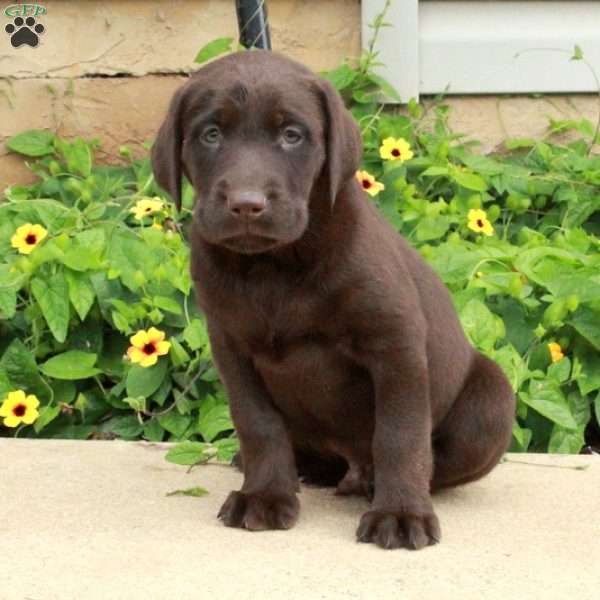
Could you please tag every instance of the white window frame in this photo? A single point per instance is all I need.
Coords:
(486, 46)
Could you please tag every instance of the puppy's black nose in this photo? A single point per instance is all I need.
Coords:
(246, 204)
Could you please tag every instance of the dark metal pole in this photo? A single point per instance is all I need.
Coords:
(253, 24)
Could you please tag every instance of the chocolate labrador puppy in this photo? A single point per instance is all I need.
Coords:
(338, 346)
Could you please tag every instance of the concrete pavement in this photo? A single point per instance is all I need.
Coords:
(90, 520)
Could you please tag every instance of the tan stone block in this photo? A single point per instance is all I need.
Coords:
(159, 36)
(117, 111)
(493, 119)
(129, 110)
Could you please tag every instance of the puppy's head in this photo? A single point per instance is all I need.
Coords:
(261, 139)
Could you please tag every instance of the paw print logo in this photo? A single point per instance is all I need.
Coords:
(24, 32)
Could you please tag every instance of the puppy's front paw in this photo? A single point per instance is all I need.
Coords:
(398, 529)
(260, 511)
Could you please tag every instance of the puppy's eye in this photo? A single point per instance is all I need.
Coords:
(291, 136)
(211, 135)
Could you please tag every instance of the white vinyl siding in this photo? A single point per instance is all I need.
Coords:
(471, 46)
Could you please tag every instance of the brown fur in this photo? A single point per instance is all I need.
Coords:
(339, 347)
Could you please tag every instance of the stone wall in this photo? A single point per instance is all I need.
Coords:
(107, 69)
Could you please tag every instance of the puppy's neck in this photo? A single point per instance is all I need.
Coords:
(330, 230)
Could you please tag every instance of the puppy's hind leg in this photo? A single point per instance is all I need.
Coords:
(317, 470)
(477, 430)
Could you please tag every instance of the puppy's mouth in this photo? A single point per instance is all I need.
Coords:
(250, 243)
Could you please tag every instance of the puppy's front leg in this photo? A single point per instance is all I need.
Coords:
(267, 499)
(402, 513)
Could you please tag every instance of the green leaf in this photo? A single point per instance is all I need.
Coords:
(214, 421)
(597, 408)
(71, 365)
(52, 297)
(64, 391)
(515, 143)
(8, 303)
(195, 335)
(226, 448)
(197, 492)
(77, 154)
(81, 292)
(128, 427)
(435, 172)
(47, 415)
(385, 87)
(589, 380)
(144, 381)
(213, 49)
(5, 385)
(175, 423)
(522, 436)
(178, 354)
(513, 365)
(587, 322)
(577, 53)
(342, 77)
(560, 371)
(546, 398)
(53, 214)
(121, 322)
(153, 431)
(85, 252)
(32, 143)
(566, 441)
(71, 432)
(10, 282)
(471, 181)
(19, 365)
(162, 392)
(168, 304)
(481, 326)
(188, 453)
(432, 228)
(136, 404)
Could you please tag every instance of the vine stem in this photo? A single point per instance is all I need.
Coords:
(185, 390)
(534, 464)
(378, 24)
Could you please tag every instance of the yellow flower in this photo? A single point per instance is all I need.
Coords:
(395, 149)
(368, 183)
(147, 346)
(18, 408)
(146, 206)
(27, 237)
(478, 222)
(555, 351)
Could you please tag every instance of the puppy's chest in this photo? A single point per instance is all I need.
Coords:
(269, 315)
(274, 323)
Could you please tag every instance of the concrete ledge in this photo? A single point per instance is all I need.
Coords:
(91, 520)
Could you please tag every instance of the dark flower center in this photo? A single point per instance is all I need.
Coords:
(366, 184)
(395, 152)
(31, 239)
(148, 208)
(19, 410)
(149, 349)
(479, 223)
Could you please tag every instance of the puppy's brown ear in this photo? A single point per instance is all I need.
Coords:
(166, 151)
(343, 141)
